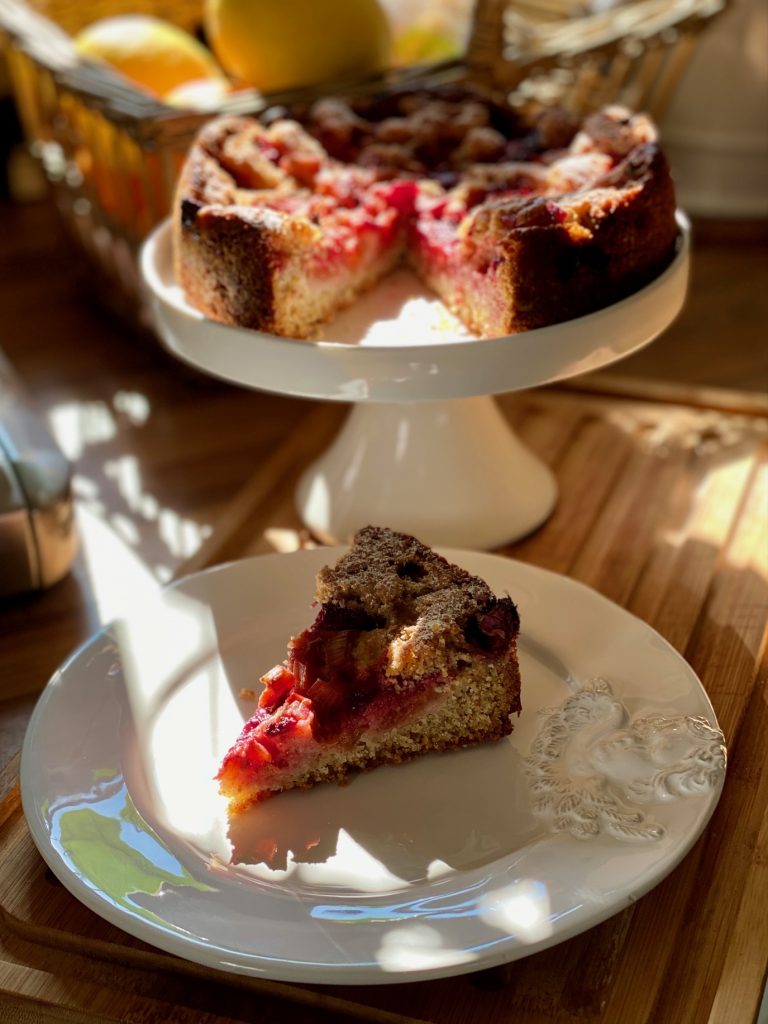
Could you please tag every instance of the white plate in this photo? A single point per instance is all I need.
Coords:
(444, 865)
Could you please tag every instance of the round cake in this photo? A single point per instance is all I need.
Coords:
(515, 220)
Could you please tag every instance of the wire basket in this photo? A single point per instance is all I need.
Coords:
(583, 54)
(112, 153)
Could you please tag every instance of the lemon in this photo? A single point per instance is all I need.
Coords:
(151, 53)
(282, 44)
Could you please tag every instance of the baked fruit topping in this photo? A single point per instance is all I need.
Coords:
(407, 654)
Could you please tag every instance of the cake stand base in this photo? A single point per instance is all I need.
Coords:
(451, 472)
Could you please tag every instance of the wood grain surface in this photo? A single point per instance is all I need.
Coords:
(662, 508)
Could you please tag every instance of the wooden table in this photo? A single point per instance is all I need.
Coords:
(663, 500)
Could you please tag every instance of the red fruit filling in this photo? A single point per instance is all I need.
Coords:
(333, 685)
(365, 213)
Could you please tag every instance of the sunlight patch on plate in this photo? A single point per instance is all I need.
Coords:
(416, 947)
(352, 867)
(398, 310)
(521, 909)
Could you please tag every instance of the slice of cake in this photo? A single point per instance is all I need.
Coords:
(408, 654)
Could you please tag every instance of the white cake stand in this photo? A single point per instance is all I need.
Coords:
(425, 449)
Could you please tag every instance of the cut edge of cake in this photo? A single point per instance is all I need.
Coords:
(452, 722)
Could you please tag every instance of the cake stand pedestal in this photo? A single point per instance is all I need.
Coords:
(425, 449)
(451, 471)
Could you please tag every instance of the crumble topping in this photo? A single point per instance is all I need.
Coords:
(426, 603)
(283, 170)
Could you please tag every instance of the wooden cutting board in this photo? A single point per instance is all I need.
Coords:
(663, 502)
